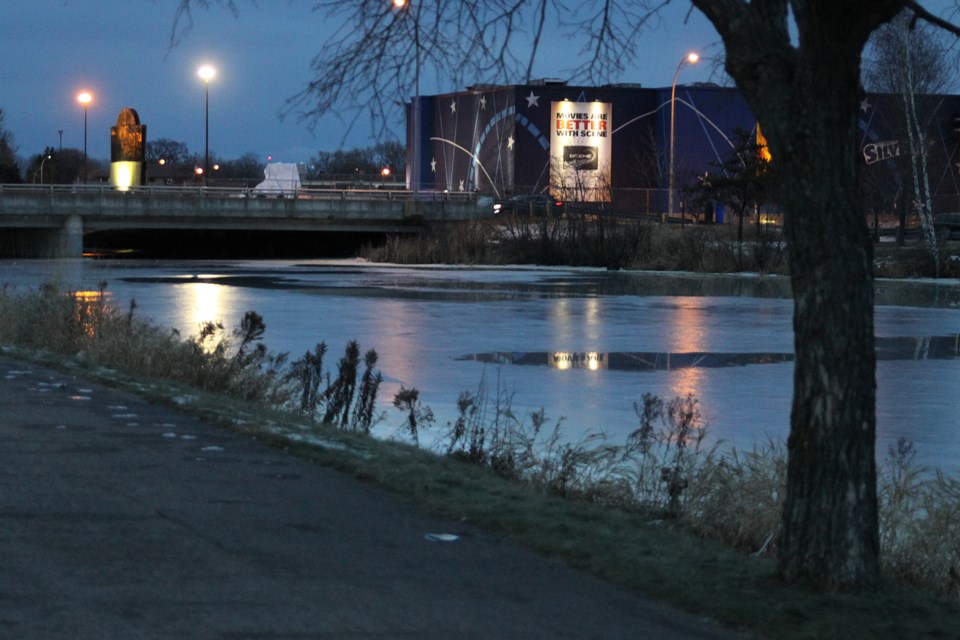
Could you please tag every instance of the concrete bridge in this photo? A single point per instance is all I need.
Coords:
(51, 220)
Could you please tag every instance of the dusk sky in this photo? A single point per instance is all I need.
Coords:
(119, 50)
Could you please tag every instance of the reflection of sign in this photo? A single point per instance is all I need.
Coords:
(580, 150)
(879, 151)
(564, 360)
(582, 158)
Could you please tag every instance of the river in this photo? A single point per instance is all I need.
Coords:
(583, 344)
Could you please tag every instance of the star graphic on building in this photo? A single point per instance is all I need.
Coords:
(453, 106)
(864, 105)
(433, 165)
(532, 100)
(510, 142)
(461, 185)
(483, 102)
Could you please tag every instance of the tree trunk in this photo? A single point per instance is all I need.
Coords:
(806, 97)
(830, 528)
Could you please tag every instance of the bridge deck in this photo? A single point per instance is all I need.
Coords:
(77, 209)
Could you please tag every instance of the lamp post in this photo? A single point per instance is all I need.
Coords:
(206, 73)
(415, 172)
(691, 58)
(84, 99)
(41, 167)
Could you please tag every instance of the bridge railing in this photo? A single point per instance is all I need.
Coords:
(106, 190)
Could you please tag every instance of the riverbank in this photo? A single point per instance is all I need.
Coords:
(649, 556)
(625, 243)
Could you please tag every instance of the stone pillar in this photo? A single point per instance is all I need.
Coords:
(71, 237)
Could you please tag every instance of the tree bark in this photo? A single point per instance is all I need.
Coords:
(806, 98)
(830, 528)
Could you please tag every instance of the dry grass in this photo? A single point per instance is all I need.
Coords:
(86, 327)
(734, 497)
(618, 243)
(586, 240)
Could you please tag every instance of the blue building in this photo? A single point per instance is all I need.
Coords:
(504, 140)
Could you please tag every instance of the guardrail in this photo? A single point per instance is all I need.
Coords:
(236, 192)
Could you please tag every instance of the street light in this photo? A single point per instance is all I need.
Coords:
(415, 173)
(41, 167)
(206, 73)
(84, 99)
(692, 59)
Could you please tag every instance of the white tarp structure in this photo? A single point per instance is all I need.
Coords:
(279, 179)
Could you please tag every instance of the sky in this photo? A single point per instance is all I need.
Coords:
(119, 51)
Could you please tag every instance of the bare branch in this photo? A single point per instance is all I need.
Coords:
(920, 13)
(611, 28)
(183, 16)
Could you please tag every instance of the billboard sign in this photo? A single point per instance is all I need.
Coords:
(580, 150)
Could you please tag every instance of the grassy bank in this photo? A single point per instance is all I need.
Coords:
(597, 241)
(659, 513)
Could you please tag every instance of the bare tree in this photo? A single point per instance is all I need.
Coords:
(168, 150)
(797, 63)
(9, 170)
(931, 63)
(910, 60)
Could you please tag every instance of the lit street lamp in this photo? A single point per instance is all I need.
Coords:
(415, 173)
(41, 167)
(691, 58)
(206, 73)
(84, 99)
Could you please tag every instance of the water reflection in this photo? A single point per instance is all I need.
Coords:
(929, 348)
(562, 360)
(402, 353)
(88, 309)
(200, 301)
(687, 339)
(629, 361)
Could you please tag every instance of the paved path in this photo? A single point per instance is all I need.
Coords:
(120, 519)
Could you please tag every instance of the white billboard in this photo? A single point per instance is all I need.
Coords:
(580, 150)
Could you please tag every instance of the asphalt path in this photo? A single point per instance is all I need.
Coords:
(122, 519)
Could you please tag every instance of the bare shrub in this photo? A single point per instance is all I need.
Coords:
(738, 497)
(238, 364)
(339, 395)
(364, 411)
(418, 415)
(919, 522)
(307, 374)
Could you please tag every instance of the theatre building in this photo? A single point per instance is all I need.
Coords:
(611, 143)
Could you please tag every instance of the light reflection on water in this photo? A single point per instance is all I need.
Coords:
(199, 303)
(688, 337)
(423, 321)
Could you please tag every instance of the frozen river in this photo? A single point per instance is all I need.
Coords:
(583, 344)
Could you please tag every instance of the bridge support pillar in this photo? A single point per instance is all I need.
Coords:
(71, 238)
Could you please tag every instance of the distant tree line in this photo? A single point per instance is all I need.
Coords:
(177, 163)
(9, 172)
(366, 161)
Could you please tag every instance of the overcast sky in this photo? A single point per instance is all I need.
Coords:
(118, 50)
